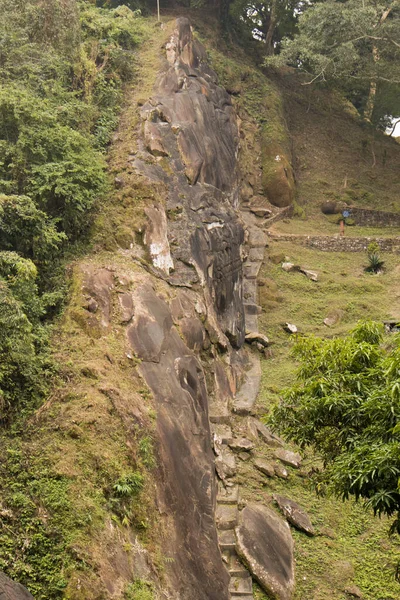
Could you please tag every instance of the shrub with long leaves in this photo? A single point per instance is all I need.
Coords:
(346, 406)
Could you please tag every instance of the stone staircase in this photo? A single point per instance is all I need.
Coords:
(220, 412)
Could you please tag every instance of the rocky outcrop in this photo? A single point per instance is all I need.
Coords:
(10, 590)
(264, 541)
(191, 120)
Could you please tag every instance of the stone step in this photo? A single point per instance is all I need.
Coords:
(251, 323)
(236, 568)
(247, 395)
(228, 495)
(241, 585)
(250, 308)
(251, 269)
(222, 432)
(242, 596)
(226, 516)
(227, 540)
(218, 412)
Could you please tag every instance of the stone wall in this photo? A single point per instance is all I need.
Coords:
(328, 243)
(367, 217)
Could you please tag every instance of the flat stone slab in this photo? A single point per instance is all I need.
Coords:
(241, 444)
(265, 467)
(292, 459)
(226, 516)
(225, 463)
(247, 395)
(265, 543)
(241, 585)
(295, 514)
(256, 429)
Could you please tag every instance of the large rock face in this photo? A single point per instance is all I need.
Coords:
(186, 480)
(190, 123)
(265, 543)
(9, 590)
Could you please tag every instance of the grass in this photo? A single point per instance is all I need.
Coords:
(318, 224)
(336, 154)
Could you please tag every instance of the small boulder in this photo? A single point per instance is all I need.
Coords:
(241, 444)
(295, 514)
(292, 459)
(264, 467)
(225, 464)
(257, 338)
(288, 267)
(290, 328)
(261, 212)
(92, 305)
(280, 471)
(264, 542)
(313, 275)
(256, 429)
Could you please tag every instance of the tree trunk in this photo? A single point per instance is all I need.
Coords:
(273, 18)
(370, 105)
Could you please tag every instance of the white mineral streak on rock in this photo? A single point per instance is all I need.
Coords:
(156, 239)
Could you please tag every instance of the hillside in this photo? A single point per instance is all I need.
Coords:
(125, 475)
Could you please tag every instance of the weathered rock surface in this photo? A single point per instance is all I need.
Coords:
(295, 514)
(247, 395)
(257, 338)
(256, 429)
(265, 467)
(292, 459)
(191, 120)
(10, 590)
(176, 378)
(241, 444)
(265, 543)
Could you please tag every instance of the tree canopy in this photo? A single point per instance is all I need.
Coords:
(356, 45)
(346, 406)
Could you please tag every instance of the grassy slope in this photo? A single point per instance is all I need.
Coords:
(353, 547)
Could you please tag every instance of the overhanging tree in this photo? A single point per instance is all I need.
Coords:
(346, 406)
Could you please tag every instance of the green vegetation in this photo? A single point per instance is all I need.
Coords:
(139, 590)
(63, 67)
(345, 406)
(355, 45)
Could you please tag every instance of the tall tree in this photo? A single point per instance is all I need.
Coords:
(354, 43)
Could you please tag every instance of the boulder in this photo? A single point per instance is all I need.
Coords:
(288, 267)
(264, 542)
(241, 444)
(353, 591)
(258, 430)
(295, 514)
(292, 459)
(290, 328)
(313, 275)
(280, 471)
(10, 590)
(264, 467)
(225, 464)
(257, 338)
